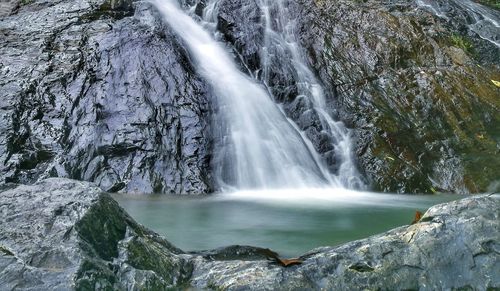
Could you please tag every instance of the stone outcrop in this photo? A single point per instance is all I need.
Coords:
(100, 91)
(64, 234)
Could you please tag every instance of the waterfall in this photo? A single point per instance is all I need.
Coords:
(257, 146)
(280, 44)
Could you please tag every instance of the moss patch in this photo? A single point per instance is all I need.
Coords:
(462, 42)
(491, 3)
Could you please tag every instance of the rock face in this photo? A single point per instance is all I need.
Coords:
(100, 91)
(64, 234)
(416, 87)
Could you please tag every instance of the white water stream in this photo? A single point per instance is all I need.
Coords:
(257, 146)
(281, 43)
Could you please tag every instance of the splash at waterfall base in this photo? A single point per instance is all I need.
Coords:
(72, 236)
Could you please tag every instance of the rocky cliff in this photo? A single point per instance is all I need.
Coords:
(65, 235)
(100, 91)
(418, 89)
(103, 91)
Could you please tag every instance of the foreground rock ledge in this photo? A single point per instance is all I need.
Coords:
(64, 234)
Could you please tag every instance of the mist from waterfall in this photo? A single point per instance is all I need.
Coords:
(256, 145)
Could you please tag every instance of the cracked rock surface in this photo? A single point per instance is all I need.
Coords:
(101, 91)
(64, 234)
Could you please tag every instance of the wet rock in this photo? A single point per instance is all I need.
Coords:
(243, 30)
(101, 91)
(64, 234)
(243, 25)
(458, 56)
(470, 18)
(414, 86)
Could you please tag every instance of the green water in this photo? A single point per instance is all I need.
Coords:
(290, 222)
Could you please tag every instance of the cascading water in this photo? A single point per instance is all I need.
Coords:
(257, 146)
(485, 22)
(281, 48)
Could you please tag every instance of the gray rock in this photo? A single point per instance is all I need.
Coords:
(424, 123)
(101, 91)
(64, 234)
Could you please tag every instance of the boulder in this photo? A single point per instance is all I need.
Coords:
(63, 234)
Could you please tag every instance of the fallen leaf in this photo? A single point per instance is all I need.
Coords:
(290, 262)
(496, 83)
(283, 262)
(418, 216)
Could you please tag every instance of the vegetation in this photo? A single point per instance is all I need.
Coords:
(492, 3)
(462, 42)
(26, 2)
(5, 251)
